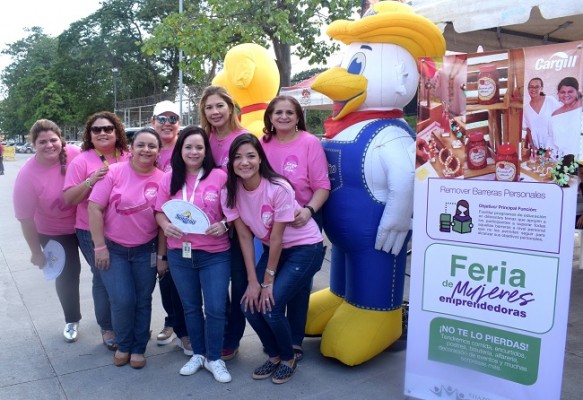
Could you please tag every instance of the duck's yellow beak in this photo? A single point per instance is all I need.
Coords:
(348, 91)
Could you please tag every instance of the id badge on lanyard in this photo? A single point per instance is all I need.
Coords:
(187, 246)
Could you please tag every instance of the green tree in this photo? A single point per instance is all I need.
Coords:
(206, 30)
(32, 90)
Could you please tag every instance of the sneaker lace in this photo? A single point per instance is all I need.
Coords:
(219, 367)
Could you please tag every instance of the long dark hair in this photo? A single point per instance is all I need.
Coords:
(121, 141)
(47, 125)
(265, 169)
(179, 166)
(268, 127)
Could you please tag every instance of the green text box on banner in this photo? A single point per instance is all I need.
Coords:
(496, 352)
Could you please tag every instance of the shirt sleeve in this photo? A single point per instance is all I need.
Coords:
(283, 204)
(102, 190)
(24, 196)
(230, 213)
(76, 173)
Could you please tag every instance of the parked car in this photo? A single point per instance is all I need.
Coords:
(25, 148)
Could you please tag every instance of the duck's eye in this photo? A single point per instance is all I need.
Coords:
(357, 64)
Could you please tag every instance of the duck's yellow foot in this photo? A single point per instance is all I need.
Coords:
(354, 335)
(323, 304)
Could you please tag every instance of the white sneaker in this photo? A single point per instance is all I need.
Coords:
(71, 331)
(218, 369)
(193, 365)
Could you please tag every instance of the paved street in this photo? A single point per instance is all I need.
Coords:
(36, 363)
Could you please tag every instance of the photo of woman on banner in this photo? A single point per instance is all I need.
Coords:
(537, 113)
(565, 122)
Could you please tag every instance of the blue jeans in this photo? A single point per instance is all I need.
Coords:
(130, 280)
(296, 307)
(295, 270)
(204, 276)
(100, 296)
(235, 326)
(172, 305)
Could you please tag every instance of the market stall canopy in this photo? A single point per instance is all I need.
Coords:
(504, 23)
(308, 98)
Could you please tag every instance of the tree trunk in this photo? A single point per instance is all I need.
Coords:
(283, 60)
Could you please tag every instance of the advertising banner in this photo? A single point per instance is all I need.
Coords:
(495, 208)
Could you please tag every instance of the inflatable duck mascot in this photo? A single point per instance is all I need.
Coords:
(251, 76)
(371, 158)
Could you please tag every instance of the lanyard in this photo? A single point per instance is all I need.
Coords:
(103, 159)
(198, 178)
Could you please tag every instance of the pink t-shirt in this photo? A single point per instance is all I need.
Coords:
(165, 159)
(208, 199)
(302, 161)
(129, 199)
(220, 147)
(267, 204)
(38, 194)
(81, 169)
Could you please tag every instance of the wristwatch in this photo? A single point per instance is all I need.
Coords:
(162, 257)
(88, 183)
(270, 271)
(312, 211)
(225, 225)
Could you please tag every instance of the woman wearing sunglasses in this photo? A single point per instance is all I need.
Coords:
(104, 144)
(166, 121)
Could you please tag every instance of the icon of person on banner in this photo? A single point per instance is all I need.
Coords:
(461, 221)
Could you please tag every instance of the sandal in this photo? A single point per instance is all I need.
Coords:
(266, 370)
(108, 338)
(298, 354)
(284, 373)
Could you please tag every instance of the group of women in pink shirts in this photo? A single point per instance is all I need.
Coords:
(108, 200)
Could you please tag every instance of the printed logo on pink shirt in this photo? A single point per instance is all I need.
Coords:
(225, 161)
(210, 199)
(150, 192)
(267, 216)
(290, 165)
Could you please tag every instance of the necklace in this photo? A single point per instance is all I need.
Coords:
(103, 159)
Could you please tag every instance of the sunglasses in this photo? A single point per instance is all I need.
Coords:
(163, 119)
(97, 129)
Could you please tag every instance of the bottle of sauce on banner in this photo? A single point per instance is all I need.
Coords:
(488, 86)
(476, 151)
(507, 164)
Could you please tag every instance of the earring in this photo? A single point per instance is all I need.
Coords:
(272, 128)
(296, 128)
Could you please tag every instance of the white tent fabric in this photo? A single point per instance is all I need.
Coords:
(308, 98)
(468, 16)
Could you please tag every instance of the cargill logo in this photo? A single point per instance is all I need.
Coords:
(558, 61)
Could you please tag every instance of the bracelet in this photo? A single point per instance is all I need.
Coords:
(88, 183)
(104, 247)
(312, 211)
(270, 272)
(265, 286)
(162, 257)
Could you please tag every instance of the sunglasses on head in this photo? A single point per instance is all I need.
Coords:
(97, 129)
(163, 119)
